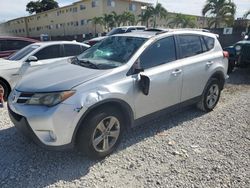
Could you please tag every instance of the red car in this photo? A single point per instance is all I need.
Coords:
(9, 45)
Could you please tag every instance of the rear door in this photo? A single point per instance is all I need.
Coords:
(72, 50)
(197, 61)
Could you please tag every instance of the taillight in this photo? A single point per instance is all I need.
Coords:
(225, 54)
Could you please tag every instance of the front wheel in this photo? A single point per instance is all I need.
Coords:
(4, 90)
(231, 65)
(210, 96)
(101, 132)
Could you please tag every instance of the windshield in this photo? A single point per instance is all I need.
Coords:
(23, 52)
(116, 31)
(111, 52)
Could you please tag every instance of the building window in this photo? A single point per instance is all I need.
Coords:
(132, 7)
(76, 24)
(82, 7)
(94, 3)
(83, 22)
(111, 3)
(75, 9)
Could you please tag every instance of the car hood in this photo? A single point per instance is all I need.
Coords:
(59, 77)
(7, 64)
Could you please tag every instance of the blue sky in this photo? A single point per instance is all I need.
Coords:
(16, 8)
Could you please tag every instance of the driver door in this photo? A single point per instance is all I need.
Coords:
(165, 74)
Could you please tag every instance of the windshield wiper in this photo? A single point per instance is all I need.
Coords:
(85, 63)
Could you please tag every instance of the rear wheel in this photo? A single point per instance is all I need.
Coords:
(210, 96)
(101, 132)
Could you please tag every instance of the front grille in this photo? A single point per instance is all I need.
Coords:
(24, 97)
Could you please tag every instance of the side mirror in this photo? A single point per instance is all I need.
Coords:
(32, 59)
(144, 84)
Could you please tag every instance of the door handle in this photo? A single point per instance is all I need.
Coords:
(209, 63)
(176, 72)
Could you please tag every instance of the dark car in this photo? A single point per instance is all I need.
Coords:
(239, 54)
(9, 45)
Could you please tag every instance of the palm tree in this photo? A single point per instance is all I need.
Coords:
(96, 21)
(128, 18)
(246, 14)
(108, 21)
(146, 15)
(183, 21)
(158, 12)
(117, 18)
(220, 10)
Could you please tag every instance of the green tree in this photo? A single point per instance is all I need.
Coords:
(246, 14)
(158, 12)
(220, 11)
(128, 18)
(183, 21)
(146, 16)
(40, 6)
(97, 20)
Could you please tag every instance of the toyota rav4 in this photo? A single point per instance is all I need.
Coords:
(118, 83)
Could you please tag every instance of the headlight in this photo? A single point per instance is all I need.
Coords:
(237, 47)
(50, 99)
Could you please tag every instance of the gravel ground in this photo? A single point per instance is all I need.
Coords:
(187, 149)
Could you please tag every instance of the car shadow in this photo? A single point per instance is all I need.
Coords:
(24, 164)
(240, 76)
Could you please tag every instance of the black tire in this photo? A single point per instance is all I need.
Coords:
(88, 130)
(204, 105)
(6, 90)
(231, 65)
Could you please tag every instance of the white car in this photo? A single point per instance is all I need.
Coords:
(34, 57)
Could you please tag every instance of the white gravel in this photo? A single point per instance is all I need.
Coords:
(188, 149)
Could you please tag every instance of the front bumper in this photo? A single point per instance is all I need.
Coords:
(23, 126)
(52, 127)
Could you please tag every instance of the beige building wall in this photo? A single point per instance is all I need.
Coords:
(74, 19)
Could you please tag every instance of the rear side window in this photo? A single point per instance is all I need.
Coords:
(161, 52)
(16, 44)
(190, 45)
(49, 52)
(209, 41)
(72, 50)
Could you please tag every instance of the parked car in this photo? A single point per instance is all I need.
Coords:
(9, 45)
(34, 57)
(239, 54)
(118, 30)
(121, 82)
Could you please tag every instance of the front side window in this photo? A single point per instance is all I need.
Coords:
(160, 52)
(112, 52)
(190, 45)
(23, 52)
(49, 52)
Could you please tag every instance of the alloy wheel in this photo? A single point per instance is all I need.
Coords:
(106, 134)
(212, 96)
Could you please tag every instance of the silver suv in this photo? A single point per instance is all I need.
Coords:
(118, 83)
